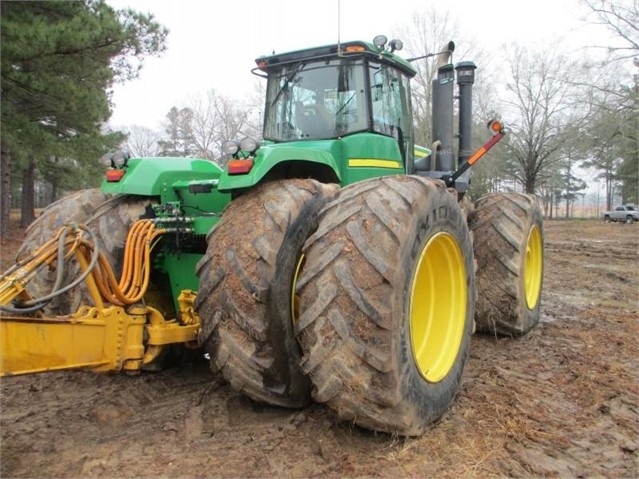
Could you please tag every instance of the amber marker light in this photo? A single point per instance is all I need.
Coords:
(114, 176)
(240, 167)
(354, 49)
(495, 126)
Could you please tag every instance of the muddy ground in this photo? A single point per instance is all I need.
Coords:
(559, 402)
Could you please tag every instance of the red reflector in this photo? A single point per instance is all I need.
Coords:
(114, 175)
(240, 167)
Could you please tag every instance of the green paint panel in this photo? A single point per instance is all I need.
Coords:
(155, 176)
(195, 203)
(367, 155)
(181, 270)
(336, 154)
(324, 152)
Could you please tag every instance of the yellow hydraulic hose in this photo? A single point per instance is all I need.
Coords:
(136, 271)
(69, 240)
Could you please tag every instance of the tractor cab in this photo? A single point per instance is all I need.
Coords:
(342, 113)
(338, 91)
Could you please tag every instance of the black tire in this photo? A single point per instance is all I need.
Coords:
(365, 295)
(509, 250)
(109, 218)
(245, 294)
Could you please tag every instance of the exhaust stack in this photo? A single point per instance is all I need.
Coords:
(443, 91)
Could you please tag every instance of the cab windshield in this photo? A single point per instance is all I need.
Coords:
(316, 100)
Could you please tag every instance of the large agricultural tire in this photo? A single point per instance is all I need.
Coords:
(245, 295)
(386, 300)
(108, 217)
(509, 250)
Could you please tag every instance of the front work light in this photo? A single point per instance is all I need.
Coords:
(249, 145)
(230, 147)
(380, 41)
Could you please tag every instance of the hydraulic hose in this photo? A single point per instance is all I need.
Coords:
(46, 254)
(134, 279)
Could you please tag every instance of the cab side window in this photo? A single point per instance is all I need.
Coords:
(390, 100)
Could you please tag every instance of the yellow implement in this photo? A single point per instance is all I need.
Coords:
(117, 333)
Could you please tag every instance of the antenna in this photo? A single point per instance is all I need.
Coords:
(339, 26)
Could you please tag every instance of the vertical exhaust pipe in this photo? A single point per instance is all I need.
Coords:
(442, 112)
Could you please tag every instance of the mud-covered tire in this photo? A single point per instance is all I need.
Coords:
(245, 293)
(108, 217)
(509, 250)
(391, 258)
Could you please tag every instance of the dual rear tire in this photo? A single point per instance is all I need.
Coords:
(361, 298)
(364, 298)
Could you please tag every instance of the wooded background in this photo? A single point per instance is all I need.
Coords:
(564, 112)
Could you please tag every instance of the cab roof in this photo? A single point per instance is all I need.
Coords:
(347, 49)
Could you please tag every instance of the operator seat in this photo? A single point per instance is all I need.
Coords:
(314, 120)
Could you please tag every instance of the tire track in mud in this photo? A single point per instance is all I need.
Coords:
(559, 402)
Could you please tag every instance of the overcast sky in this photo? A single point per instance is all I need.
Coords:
(213, 45)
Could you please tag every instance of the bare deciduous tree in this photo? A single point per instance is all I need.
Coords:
(615, 133)
(541, 96)
(621, 18)
(428, 31)
(142, 141)
(216, 119)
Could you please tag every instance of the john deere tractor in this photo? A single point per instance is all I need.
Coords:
(335, 261)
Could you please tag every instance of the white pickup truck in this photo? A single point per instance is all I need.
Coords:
(625, 214)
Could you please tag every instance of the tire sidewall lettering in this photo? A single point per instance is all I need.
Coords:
(433, 398)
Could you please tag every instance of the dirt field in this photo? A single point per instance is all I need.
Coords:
(561, 402)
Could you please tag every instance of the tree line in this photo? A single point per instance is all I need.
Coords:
(60, 60)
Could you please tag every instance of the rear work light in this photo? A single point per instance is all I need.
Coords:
(114, 175)
(240, 167)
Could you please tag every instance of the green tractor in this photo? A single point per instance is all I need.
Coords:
(335, 261)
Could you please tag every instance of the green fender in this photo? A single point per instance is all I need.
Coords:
(270, 155)
(154, 176)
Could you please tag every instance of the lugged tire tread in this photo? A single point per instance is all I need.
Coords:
(501, 223)
(347, 334)
(241, 327)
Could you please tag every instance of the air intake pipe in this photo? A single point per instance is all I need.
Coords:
(465, 80)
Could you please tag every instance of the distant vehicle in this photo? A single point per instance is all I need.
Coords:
(622, 214)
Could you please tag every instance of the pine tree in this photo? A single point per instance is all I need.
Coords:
(59, 61)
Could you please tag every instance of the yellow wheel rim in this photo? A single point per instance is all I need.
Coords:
(295, 300)
(438, 307)
(534, 267)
